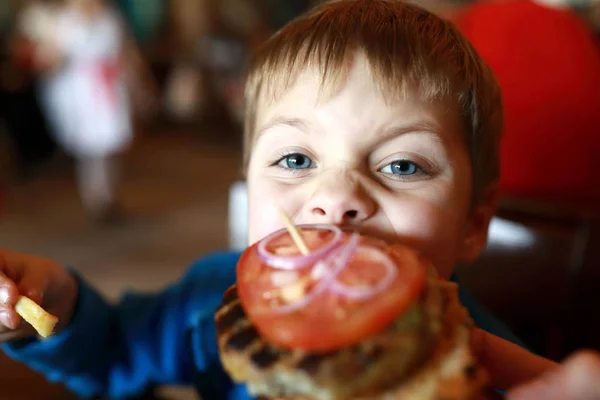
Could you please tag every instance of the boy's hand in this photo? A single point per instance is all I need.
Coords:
(43, 281)
(578, 378)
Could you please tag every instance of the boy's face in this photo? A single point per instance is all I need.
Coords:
(396, 170)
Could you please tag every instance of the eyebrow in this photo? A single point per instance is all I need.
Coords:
(297, 123)
(395, 131)
(385, 135)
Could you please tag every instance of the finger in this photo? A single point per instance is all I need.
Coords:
(577, 379)
(13, 335)
(582, 376)
(9, 318)
(9, 293)
(22, 331)
(550, 386)
(33, 285)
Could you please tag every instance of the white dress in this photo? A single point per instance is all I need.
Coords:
(86, 98)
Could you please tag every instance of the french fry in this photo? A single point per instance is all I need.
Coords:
(42, 321)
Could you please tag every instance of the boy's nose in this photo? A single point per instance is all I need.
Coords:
(340, 201)
(340, 213)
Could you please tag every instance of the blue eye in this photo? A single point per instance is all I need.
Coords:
(296, 161)
(402, 168)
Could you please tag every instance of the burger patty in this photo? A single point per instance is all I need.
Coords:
(371, 366)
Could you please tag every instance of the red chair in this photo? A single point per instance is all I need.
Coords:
(548, 64)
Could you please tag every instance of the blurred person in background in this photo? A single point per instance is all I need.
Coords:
(80, 51)
(547, 60)
(25, 141)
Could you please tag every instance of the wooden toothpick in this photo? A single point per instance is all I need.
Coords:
(294, 233)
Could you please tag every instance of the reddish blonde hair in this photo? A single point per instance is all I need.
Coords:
(406, 47)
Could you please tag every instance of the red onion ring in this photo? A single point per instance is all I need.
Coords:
(363, 293)
(337, 260)
(297, 262)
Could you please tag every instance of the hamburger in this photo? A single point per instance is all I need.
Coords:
(347, 317)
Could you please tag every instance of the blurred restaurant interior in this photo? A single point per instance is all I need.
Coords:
(180, 194)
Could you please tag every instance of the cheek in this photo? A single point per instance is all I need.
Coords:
(265, 200)
(262, 209)
(435, 229)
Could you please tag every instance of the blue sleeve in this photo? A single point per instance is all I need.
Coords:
(121, 350)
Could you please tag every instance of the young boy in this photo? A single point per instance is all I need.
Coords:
(371, 114)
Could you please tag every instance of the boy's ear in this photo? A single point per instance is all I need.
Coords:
(476, 229)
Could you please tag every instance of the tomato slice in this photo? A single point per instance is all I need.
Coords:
(331, 320)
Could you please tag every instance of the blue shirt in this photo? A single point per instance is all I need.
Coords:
(168, 338)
